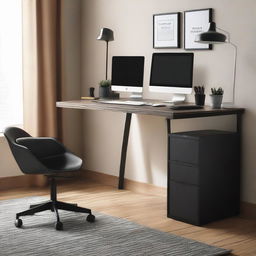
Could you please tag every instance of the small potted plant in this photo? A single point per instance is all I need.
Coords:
(216, 97)
(199, 95)
(104, 89)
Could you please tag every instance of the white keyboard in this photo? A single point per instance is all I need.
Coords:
(126, 102)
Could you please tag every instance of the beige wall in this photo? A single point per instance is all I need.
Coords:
(71, 73)
(131, 21)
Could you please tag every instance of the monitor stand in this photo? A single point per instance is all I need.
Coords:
(177, 98)
(136, 95)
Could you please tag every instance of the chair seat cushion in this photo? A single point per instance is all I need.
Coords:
(63, 162)
(42, 146)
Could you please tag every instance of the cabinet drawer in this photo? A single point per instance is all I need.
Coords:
(184, 173)
(184, 202)
(183, 150)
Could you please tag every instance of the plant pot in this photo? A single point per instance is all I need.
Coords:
(104, 91)
(216, 101)
(199, 99)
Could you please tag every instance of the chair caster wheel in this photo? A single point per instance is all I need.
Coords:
(59, 225)
(18, 223)
(90, 218)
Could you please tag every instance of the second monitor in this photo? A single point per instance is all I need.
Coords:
(172, 73)
(127, 74)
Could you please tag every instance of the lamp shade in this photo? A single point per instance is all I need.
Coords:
(106, 34)
(211, 36)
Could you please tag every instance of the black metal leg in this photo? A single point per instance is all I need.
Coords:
(55, 209)
(168, 122)
(239, 132)
(36, 209)
(124, 150)
(53, 189)
(239, 124)
(35, 205)
(71, 207)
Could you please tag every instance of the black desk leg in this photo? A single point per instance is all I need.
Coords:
(169, 130)
(239, 132)
(124, 150)
(239, 123)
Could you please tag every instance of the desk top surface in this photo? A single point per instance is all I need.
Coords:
(149, 110)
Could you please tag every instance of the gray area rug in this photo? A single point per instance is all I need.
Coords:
(107, 236)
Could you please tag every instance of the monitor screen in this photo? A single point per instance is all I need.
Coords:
(172, 70)
(127, 71)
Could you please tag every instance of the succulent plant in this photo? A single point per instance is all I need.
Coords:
(216, 91)
(105, 83)
(199, 90)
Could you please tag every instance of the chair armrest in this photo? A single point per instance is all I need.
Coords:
(42, 146)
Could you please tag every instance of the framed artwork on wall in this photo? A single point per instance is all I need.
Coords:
(166, 30)
(196, 22)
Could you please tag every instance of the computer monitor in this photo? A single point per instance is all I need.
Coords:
(172, 73)
(127, 74)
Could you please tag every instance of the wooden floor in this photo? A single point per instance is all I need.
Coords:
(150, 210)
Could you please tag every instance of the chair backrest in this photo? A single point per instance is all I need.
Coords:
(27, 162)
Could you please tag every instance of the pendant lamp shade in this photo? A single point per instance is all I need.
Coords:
(211, 36)
(106, 34)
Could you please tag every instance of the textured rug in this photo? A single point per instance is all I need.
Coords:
(107, 236)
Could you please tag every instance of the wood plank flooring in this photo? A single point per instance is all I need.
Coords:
(150, 210)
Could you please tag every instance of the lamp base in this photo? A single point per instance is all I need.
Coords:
(136, 95)
(177, 99)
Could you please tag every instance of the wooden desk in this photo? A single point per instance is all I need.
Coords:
(149, 110)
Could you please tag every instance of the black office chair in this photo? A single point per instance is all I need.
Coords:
(46, 156)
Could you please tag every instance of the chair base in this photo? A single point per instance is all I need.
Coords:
(53, 205)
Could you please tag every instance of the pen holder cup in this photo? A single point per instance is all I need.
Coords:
(91, 91)
(200, 99)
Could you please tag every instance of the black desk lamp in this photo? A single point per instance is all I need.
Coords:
(106, 35)
(214, 37)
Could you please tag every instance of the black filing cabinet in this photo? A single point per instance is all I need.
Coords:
(203, 176)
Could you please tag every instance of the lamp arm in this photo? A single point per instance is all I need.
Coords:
(226, 32)
(235, 60)
(106, 59)
(234, 72)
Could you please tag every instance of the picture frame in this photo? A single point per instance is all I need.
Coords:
(196, 22)
(166, 30)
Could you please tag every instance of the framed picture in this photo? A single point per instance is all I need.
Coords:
(196, 22)
(166, 30)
